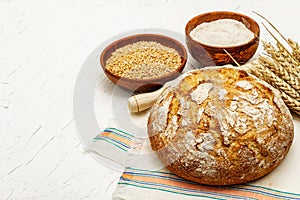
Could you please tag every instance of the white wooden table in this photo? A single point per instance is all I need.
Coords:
(42, 47)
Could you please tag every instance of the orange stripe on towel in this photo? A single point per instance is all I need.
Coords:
(116, 137)
(199, 187)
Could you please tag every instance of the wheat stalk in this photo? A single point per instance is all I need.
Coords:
(294, 45)
(295, 48)
(281, 71)
(282, 58)
(280, 68)
(278, 42)
(275, 81)
(291, 103)
(289, 62)
(281, 35)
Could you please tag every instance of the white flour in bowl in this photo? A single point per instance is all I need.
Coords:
(222, 33)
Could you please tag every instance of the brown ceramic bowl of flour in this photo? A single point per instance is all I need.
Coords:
(143, 62)
(208, 36)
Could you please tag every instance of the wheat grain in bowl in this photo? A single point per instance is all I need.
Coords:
(143, 60)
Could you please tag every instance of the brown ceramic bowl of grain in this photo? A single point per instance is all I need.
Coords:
(214, 54)
(118, 67)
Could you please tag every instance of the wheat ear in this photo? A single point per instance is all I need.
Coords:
(282, 58)
(280, 71)
(291, 103)
(275, 81)
(295, 49)
(289, 63)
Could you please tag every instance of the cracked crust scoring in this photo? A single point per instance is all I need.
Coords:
(220, 126)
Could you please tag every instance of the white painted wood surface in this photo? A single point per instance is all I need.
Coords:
(42, 47)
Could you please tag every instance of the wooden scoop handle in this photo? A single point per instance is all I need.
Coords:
(140, 102)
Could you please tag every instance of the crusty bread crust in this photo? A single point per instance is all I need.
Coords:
(220, 126)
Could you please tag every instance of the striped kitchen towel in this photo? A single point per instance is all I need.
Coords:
(112, 144)
(125, 149)
(147, 184)
(117, 138)
(145, 178)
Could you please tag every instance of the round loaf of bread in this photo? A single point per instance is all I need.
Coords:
(220, 126)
